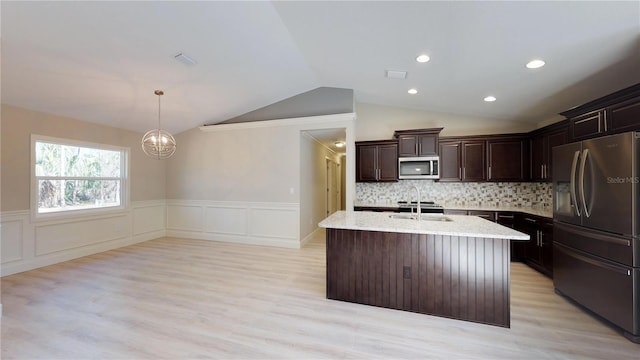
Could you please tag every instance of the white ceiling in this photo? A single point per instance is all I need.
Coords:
(101, 61)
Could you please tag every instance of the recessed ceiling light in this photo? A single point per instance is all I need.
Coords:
(534, 64)
(412, 91)
(339, 144)
(423, 58)
(490, 98)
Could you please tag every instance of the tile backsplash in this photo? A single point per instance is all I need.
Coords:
(466, 194)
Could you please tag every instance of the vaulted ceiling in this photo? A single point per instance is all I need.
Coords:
(102, 61)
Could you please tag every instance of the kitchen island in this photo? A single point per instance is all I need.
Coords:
(452, 266)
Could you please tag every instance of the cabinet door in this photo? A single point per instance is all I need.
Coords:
(388, 162)
(366, 163)
(538, 148)
(506, 160)
(588, 125)
(455, 212)
(427, 145)
(473, 161)
(555, 138)
(546, 246)
(624, 116)
(450, 166)
(488, 215)
(407, 145)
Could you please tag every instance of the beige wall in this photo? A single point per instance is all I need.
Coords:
(376, 122)
(147, 175)
(254, 164)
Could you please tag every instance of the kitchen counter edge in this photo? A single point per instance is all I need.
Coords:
(461, 225)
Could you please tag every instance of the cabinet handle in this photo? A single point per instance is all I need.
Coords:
(460, 173)
(505, 216)
(417, 149)
(464, 173)
(530, 220)
(540, 236)
(604, 119)
(489, 172)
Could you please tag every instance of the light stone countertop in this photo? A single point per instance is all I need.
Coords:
(544, 212)
(461, 225)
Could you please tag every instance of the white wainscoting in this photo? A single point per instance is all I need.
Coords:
(28, 245)
(272, 224)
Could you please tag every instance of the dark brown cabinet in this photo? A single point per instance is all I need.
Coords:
(612, 114)
(376, 161)
(487, 215)
(540, 148)
(462, 160)
(414, 143)
(588, 125)
(624, 116)
(507, 159)
(491, 158)
(538, 251)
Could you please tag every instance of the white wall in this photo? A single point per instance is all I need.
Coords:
(313, 157)
(29, 244)
(377, 122)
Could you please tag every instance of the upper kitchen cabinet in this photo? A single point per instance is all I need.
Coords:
(377, 161)
(462, 160)
(588, 125)
(416, 143)
(507, 158)
(615, 113)
(624, 116)
(540, 145)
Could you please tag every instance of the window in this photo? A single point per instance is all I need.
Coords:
(73, 176)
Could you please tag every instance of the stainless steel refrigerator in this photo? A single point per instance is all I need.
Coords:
(596, 196)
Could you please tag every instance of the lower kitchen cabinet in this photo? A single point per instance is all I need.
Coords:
(538, 251)
(488, 215)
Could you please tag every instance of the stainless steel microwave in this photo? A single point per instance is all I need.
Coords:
(424, 167)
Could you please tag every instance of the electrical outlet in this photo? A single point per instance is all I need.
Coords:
(406, 272)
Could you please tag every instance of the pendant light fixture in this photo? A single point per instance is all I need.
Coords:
(157, 143)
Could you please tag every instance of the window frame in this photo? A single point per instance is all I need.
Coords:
(124, 180)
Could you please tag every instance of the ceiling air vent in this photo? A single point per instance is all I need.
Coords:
(185, 59)
(396, 74)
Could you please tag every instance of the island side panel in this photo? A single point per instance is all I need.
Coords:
(457, 277)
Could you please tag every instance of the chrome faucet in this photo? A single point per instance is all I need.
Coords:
(418, 203)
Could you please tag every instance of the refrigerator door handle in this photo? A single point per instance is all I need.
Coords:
(572, 184)
(583, 163)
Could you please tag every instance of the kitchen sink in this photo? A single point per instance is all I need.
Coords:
(423, 217)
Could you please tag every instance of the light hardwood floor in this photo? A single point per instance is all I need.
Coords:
(179, 299)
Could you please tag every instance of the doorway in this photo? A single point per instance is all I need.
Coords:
(333, 186)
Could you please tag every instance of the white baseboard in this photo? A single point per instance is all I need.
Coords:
(309, 237)
(248, 240)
